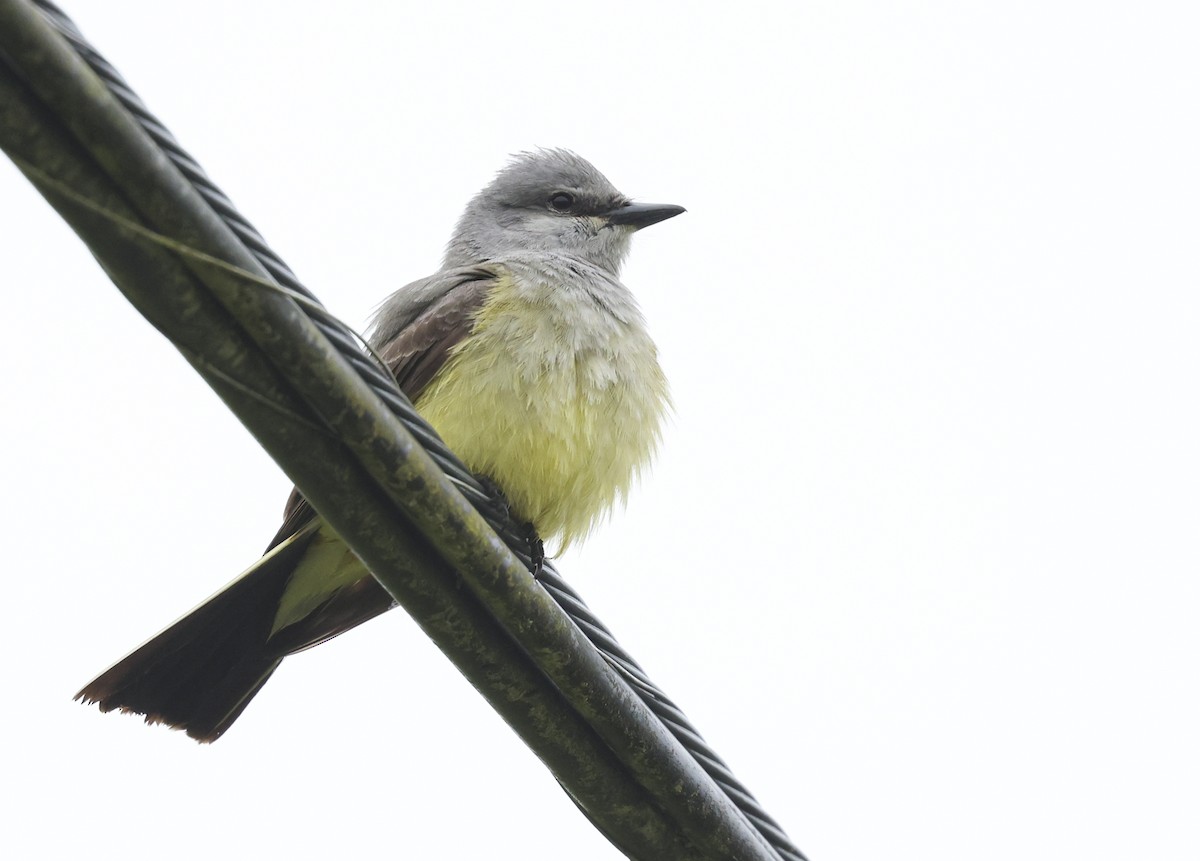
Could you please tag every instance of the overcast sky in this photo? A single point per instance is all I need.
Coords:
(919, 556)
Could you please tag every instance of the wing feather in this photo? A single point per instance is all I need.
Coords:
(417, 352)
(415, 331)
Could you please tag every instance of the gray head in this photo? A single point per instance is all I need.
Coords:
(551, 201)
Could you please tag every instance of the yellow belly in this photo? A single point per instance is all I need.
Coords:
(556, 400)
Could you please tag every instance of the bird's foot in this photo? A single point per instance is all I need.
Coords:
(497, 504)
(498, 508)
(537, 550)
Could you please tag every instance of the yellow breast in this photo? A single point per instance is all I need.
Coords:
(556, 395)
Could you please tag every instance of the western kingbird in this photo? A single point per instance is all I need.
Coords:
(531, 360)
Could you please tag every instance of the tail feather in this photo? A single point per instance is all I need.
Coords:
(200, 673)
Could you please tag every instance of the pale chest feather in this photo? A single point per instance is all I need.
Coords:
(557, 396)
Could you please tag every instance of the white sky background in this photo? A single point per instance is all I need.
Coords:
(919, 555)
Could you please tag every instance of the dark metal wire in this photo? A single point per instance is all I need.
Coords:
(348, 343)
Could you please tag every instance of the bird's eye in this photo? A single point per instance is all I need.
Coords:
(560, 201)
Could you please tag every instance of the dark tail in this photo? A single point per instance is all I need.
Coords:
(200, 673)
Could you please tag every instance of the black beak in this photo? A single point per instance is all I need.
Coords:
(641, 215)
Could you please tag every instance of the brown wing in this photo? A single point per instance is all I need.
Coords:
(419, 351)
(414, 355)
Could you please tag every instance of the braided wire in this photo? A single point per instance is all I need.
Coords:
(347, 342)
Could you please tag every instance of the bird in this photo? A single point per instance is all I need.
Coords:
(530, 359)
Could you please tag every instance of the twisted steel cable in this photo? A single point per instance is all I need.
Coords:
(348, 344)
